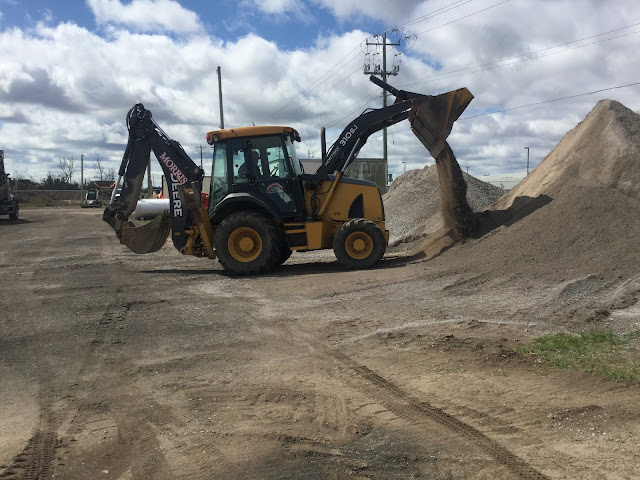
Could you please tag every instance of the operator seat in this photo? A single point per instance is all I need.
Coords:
(243, 171)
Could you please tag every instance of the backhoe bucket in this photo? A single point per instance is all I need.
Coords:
(432, 117)
(146, 238)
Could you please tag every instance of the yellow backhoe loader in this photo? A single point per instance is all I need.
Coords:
(261, 206)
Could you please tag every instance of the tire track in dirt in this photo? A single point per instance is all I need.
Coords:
(71, 407)
(405, 406)
(36, 459)
(35, 462)
(128, 415)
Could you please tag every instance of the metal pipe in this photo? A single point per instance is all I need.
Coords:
(332, 190)
(336, 182)
(115, 189)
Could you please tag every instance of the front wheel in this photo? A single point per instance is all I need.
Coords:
(247, 243)
(359, 243)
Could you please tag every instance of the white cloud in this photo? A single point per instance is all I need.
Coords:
(146, 15)
(276, 6)
(65, 89)
(399, 10)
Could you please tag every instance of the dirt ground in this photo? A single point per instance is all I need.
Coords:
(120, 366)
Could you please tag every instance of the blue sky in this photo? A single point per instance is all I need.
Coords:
(219, 19)
(70, 70)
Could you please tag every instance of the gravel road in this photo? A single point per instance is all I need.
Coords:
(118, 366)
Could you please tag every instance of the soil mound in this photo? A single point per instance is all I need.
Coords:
(413, 207)
(602, 150)
(576, 214)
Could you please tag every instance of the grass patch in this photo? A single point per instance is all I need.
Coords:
(616, 357)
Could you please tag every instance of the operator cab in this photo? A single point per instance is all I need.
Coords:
(258, 165)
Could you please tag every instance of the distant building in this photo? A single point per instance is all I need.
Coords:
(310, 165)
(505, 181)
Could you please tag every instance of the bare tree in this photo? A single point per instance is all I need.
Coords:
(100, 167)
(66, 166)
(110, 174)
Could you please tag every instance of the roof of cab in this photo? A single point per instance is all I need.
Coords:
(217, 135)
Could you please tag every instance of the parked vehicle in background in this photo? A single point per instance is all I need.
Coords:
(8, 202)
(92, 199)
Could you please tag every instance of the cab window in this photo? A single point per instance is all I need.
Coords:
(219, 186)
(270, 157)
(240, 168)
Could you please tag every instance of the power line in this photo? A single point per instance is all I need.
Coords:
(461, 2)
(379, 135)
(550, 101)
(435, 13)
(491, 65)
(320, 79)
(466, 16)
(331, 88)
(360, 106)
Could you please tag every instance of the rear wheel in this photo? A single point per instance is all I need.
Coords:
(16, 210)
(247, 243)
(359, 243)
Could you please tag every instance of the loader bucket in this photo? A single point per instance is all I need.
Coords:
(146, 238)
(432, 117)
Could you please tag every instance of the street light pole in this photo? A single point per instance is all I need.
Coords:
(404, 167)
(527, 149)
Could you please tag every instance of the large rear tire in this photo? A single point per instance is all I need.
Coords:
(247, 243)
(359, 243)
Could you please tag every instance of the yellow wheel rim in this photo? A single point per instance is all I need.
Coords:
(359, 245)
(245, 244)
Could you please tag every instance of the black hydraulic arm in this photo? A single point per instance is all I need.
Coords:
(179, 170)
(355, 135)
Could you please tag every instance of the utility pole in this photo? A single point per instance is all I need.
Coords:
(81, 176)
(220, 96)
(527, 149)
(382, 71)
(149, 182)
(200, 147)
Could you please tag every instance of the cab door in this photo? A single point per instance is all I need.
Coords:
(273, 177)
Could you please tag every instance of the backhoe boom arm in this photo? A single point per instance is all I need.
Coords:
(431, 119)
(180, 171)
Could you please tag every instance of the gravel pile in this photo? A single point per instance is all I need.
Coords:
(576, 215)
(603, 149)
(412, 204)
